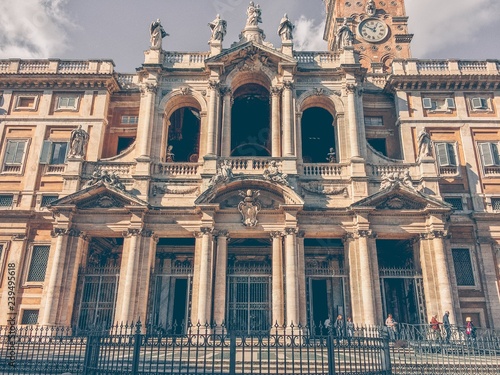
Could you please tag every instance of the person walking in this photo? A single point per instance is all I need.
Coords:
(390, 323)
(436, 332)
(349, 327)
(339, 326)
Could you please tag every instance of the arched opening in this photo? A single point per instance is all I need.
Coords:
(318, 136)
(250, 118)
(184, 135)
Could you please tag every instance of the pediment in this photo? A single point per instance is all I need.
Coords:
(99, 196)
(250, 54)
(400, 197)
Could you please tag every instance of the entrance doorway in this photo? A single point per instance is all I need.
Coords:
(325, 299)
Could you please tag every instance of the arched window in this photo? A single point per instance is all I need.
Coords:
(250, 121)
(184, 134)
(318, 135)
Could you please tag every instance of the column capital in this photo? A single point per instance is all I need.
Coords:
(301, 234)
(288, 84)
(348, 237)
(19, 237)
(221, 233)
(353, 88)
(275, 234)
(203, 230)
(435, 234)
(226, 91)
(289, 231)
(368, 233)
(73, 232)
(276, 91)
(148, 87)
(214, 84)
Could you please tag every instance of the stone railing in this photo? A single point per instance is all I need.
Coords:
(322, 170)
(55, 169)
(377, 170)
(251, 165)
(122, 170)
(185, 59)
(317, 59)
(16, 66)
(449, 171)
(399, 272)
(492, 171)
(126, 80)
(185, 170)
(442, 67)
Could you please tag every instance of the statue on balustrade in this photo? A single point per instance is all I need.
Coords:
(331, 156)
(157, 34)
(344, 37)
(77, 142)
(254, 14)
(285, 30)
(219, 30)
(170, 155)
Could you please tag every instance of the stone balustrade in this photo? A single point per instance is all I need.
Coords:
(445, 67)
(323, 170)
(378, 170)
(127, 80)
(251, 165)
(55, 169)
(122, 170)
(184, 170)
(317, 59)
(54, 66)
(185, 59)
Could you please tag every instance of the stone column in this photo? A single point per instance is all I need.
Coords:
(275, 121)
(53, 289)
(212, 116)
(226, 121)
(126, 287)
(353, 121)
(9, 313)
(443, 273)
(148, 96)
(364, 271)
(301, 278)
(220, 279)
(298, 131)
(203, 292)
(277, 279)
(488, 267)
(292, 311)
(287, 118)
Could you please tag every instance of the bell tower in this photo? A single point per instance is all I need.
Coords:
(379, 29)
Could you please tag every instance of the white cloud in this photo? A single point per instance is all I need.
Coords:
(308, 36)
(33, 28)
(446, 24)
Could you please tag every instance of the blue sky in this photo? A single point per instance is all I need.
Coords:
(118, 29)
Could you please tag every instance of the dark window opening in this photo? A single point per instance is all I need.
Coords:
(250, 118)
(184, 134)
(124, 143)
(395, 254)
(379, 145)
(318, 136)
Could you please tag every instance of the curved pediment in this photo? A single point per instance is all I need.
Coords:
(272, 195)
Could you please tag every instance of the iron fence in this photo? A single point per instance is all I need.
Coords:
(211, 349)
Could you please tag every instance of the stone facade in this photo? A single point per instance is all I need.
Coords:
(251, 185)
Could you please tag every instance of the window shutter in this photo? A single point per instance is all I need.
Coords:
(58, 153)
(452, 156)
(442, 154)
(477, 103)
(427, 102)
(494, 151)
(10, 152)
(20, 148)
(45, 155)
(450, 103)
(486, 154)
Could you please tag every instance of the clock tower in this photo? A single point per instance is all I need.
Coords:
(379, 30)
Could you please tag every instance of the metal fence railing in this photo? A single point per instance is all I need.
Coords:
(211, 349)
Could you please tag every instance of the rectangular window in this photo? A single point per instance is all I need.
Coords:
(455, 202)
(130, 119)
(479, 103)
(38, 264)
(489, 154)
(463, 267)
(6, 200)
(48, 199)
(374, 121)
(14, 155)
(495, 204)
(446, 154)
(30, 317)
(67, 102)
(53, 152)
(29, 102)
(438, 104)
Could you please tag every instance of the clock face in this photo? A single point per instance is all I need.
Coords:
(373, 30)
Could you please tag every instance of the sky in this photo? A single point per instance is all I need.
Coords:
(119, 29)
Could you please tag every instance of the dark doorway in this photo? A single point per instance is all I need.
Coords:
(318, 135)
(184, 134)
(319, 307)
(379, 145)
(180, 301)
(250, 122)
(124, 143)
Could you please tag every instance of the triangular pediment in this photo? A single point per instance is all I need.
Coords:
(250, 53)
(400, 197)
(100, 196)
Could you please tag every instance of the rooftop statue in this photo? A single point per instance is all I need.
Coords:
(157, 34)
(254, 14)
(285, 30)
(219, 29)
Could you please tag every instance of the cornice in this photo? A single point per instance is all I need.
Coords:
(64, 82)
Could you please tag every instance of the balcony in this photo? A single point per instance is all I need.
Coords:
(16, 66)
(177, 170)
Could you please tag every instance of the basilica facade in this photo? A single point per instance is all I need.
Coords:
(253, 184)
